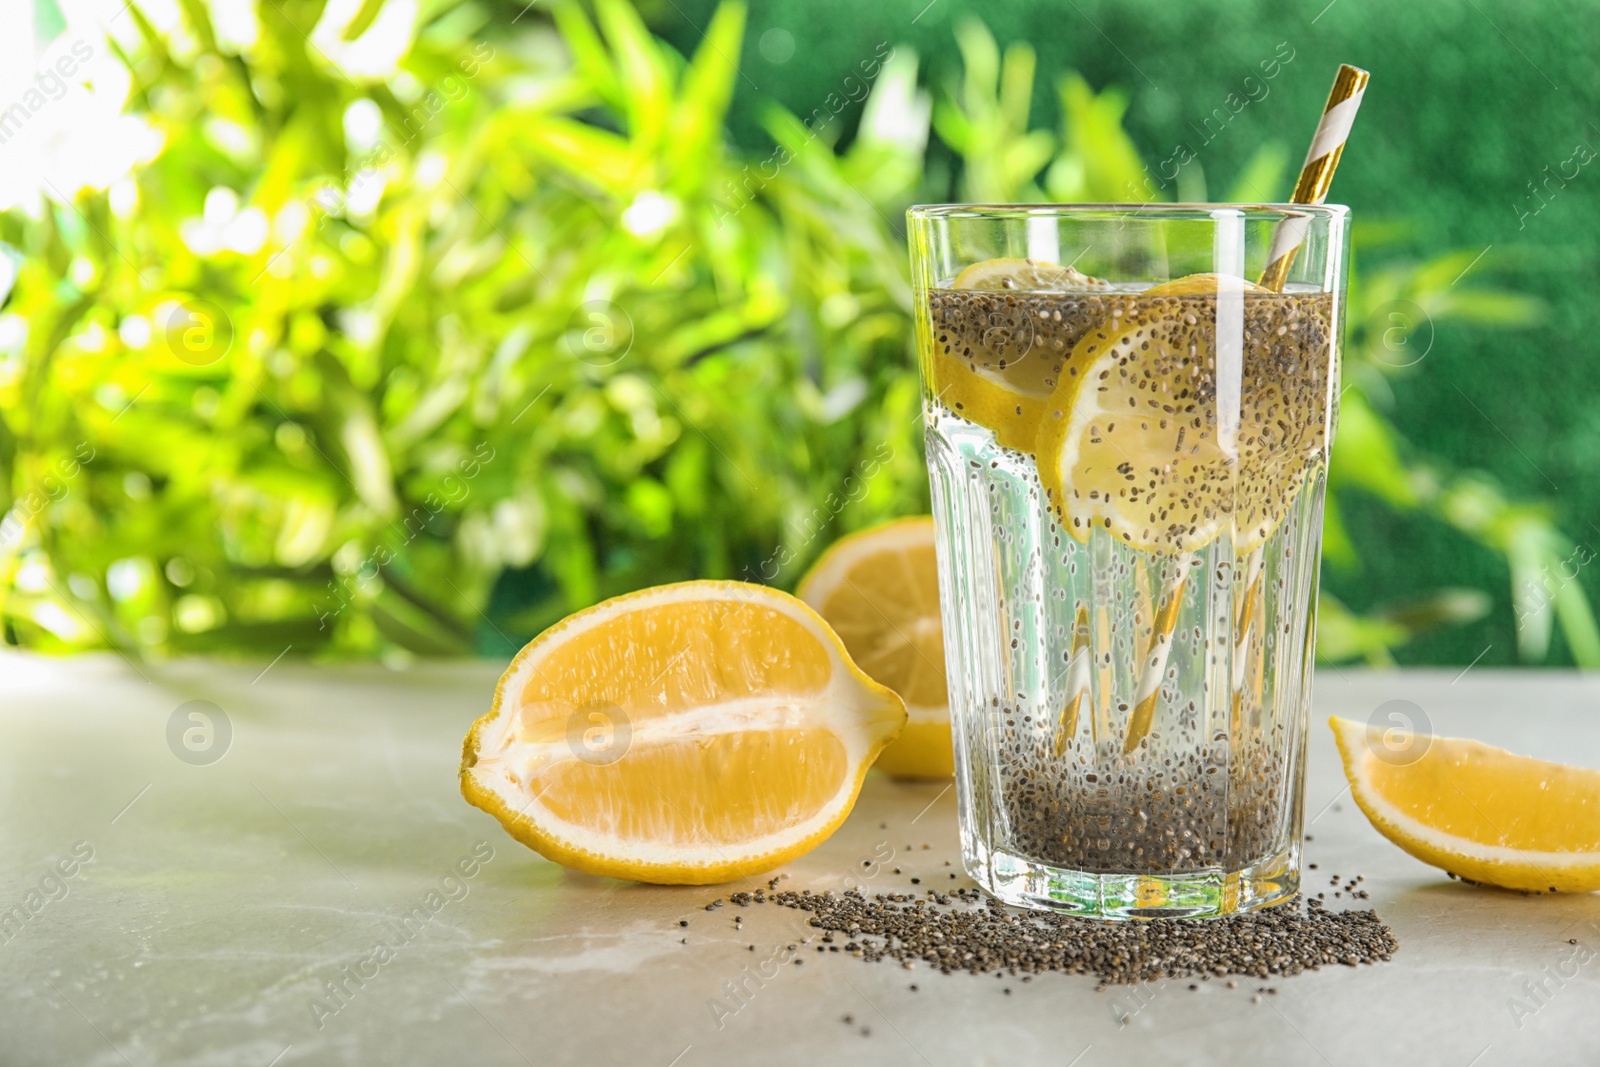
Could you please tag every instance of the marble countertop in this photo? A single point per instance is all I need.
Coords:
(299, 882)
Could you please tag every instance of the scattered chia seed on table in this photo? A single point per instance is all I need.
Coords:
(948, 932)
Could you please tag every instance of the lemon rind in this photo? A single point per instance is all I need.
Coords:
(880, 717)
(1492, 864)
(901, 759)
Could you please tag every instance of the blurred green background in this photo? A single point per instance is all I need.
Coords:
(405, 327)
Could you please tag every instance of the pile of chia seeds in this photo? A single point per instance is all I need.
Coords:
(966, 931)
(1180, 805)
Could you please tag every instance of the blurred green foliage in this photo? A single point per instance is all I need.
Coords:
(1465, 131)
(418, 362)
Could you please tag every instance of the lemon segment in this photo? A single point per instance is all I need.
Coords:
(1130, 440)
(996, 359)
(1025, 275)
(687, 734)
(879, 590)
(1476, 811)
(1205, 283)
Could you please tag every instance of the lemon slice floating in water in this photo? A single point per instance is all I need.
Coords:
(1026, 276)
(1130, 439)
(998, 349)
(1205, 283)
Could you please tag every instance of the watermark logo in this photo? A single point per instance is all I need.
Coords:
(52, 886)
(197, 331)
(599, 733)
(1401, 333)
(51, 81)
(49, 489)
(1399, 733)
(1008, 332)
(1540, 990)
(1549, 185)
(599, 333)
(199, 733)
(776, 46)
(819, 519)
(340, 988)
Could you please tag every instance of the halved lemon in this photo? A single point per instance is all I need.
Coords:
(687, 734)
(1479, 812)
(998, 343)
(879, 590)
(1130, 439)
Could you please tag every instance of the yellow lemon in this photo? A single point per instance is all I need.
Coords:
(997, 357)
(1025, 275)
(687, 734)
(1479, 812)
(1130, 440)
(1205, 283)
(879, 590)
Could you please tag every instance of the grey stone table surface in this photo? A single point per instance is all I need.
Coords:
(322, 894)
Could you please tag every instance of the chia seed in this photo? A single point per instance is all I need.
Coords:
(966, 931)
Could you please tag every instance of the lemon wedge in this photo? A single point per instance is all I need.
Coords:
(1478, 812)
(687, 734)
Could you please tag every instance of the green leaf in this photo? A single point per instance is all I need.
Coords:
(1366, 455)
(365, 16)
(48, 23)
(707, 89)
(644, 74)
(1264, 176)
(587, 154)
(1112, 171)
(594, 64)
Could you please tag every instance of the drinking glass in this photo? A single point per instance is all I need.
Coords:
(1127, 441)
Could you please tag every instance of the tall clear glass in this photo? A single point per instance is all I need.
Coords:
(1127, 440)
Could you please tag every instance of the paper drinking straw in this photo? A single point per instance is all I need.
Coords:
(1316, 175)
(1078, 682)
(1155, 660)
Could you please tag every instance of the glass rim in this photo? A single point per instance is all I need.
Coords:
(1189, 210)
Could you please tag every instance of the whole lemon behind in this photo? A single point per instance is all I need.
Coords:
(879, 590)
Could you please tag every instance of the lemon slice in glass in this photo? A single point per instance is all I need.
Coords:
(999, 341)
(1129, 441)
(1205, 283)
(1026, 276)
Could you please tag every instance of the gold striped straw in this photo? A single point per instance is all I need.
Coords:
(1079, 685)
(1316, 175)
(1155, 660)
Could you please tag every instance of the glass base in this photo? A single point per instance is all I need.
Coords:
(1206, 894)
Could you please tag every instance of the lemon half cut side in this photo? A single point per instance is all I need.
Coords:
(687, 734)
